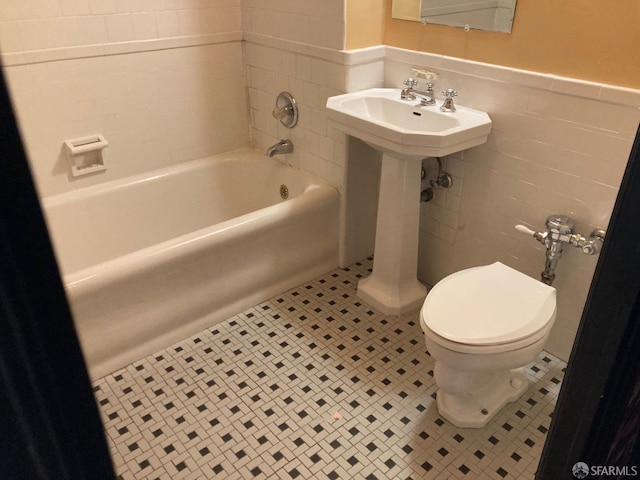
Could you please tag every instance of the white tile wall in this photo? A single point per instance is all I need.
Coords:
(314, 22)
(310, 80)
(558, 145)
(312, 74)
(162, 80)
(154, 108)
(46, 24)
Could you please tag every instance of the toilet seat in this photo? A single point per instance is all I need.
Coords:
(488, 309)
(458, 347)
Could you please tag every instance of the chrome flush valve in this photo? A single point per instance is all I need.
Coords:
(560, 229)
(591, 245)
(559, 233)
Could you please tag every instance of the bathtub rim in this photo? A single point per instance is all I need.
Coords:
(115, 184)
(137, 262)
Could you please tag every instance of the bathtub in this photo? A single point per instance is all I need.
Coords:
(154, 258)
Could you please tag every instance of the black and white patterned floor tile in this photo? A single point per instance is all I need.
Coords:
(311, 384)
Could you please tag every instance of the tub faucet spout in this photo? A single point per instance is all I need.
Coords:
(280, 148)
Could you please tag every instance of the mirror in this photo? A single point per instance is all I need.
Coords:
(493, 15)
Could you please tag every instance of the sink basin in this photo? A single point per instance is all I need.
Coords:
(380, 118)
(405, 132)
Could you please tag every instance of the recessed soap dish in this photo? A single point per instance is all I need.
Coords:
(85, 154)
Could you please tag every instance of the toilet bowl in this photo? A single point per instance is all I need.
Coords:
(481, 325)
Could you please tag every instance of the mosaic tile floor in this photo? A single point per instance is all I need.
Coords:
(311, 384)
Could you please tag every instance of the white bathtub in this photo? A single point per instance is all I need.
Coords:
(151, 259)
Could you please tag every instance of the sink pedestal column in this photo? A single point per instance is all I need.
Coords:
(393, 287)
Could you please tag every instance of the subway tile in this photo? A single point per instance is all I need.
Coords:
(312, 142)
(304, 68)
(452, 202)
(101, 7)
(167, 23)
(325, 33)
(319, 122)
(93, 29)
(492, 72)
(74, 7)
(10, 37)
(326, 149)
(35, 34)
(438, 198)
(65, 32)
(192, 22)
(264, 21)
(458, 66)
(447, 234)
(620, 95)
(293, 26)
(16, 10)
(335, 175)
(319, 71)
(314, 95)
(119, 27)
(288, 64)
(222, 19)
(531, 79)
(47, 9)
(578, 88)
(144, 25)
(454, 166)
(364, 76)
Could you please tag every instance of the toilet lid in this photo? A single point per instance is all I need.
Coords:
(488, 305)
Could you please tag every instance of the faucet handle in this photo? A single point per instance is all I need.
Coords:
(448, 105)
(449, 93)
(410, 82)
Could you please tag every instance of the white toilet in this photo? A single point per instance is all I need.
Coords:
(481, 325)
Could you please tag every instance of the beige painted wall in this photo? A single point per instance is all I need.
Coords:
(365, 23)
(590, 40)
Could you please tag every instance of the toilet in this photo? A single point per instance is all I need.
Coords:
(481, 325)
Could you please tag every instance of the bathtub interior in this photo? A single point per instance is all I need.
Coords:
(93, 225)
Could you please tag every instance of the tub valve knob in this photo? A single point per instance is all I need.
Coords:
(286, 110)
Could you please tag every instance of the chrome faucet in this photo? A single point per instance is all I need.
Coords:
(280, 148)
(559, 233)
(426, 97)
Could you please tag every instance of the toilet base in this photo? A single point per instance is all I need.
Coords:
(476, 409)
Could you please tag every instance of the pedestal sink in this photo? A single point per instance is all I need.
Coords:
(405, 132)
